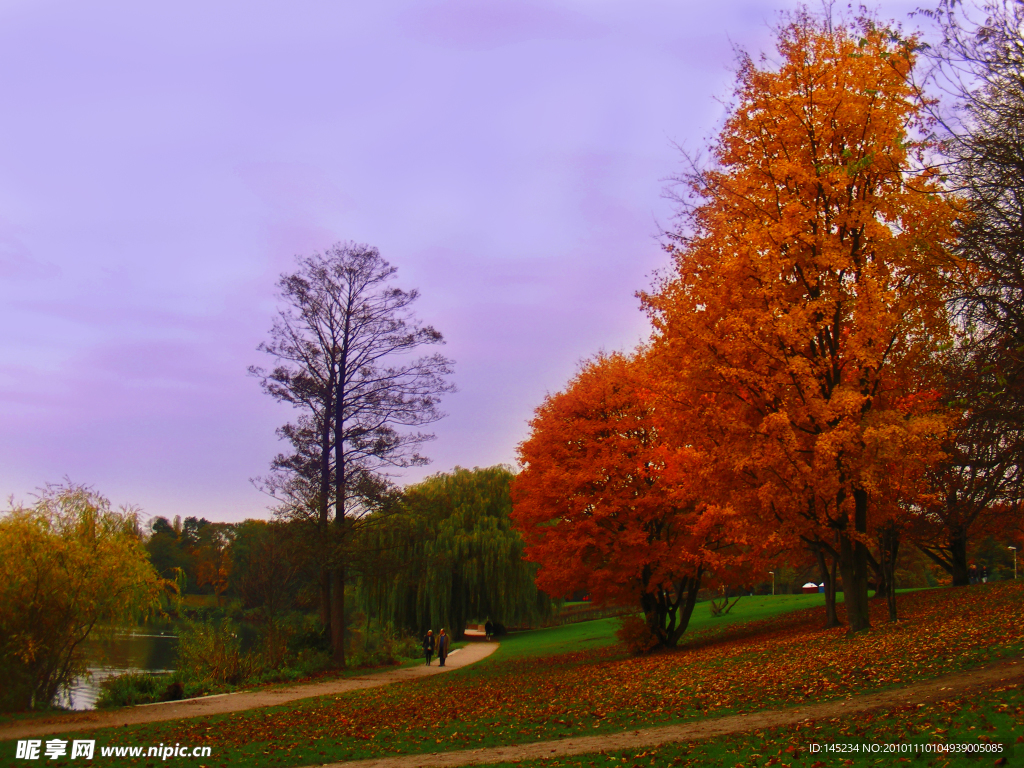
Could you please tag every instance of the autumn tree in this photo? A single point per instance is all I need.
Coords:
(608, 504)
(345, 346)
(195, 552)
(211, 552)
(454, 556)
(71, 563)
(810, 272)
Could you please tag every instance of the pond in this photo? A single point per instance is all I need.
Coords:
(133, 649)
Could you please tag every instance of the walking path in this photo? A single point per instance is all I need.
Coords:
(944, 687)
(236, 702)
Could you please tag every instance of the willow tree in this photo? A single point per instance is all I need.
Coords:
(71, 565)
(454, 556)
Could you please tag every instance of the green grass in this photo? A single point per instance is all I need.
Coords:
(587, 635)
(580, 636)
(193, 602)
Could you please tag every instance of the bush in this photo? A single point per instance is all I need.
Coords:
(218, 653)
(383, 648)
(636, 635)
(130, 689)
(408, 647)
(720, 605)
(210, 654)
(309, 635)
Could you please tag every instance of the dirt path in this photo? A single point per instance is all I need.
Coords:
(918, 693)
(236, 702)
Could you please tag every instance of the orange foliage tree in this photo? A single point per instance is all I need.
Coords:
(810, 276)
(607, 504)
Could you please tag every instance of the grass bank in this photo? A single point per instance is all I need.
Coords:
(992, 721)
(572, 680)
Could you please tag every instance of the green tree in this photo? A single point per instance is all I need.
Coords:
(454, 556)
(166, 552)
(69, 562)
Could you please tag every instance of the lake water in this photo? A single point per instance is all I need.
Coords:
(142, 649)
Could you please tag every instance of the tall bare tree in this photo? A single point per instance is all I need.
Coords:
(344, 345)
(979, 63)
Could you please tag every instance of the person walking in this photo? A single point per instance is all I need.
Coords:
(428, 645)
(442, 647)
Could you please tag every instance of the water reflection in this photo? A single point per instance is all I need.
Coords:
(143, 649)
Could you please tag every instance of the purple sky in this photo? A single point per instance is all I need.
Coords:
(162, 163)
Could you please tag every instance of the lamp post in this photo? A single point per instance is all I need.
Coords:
(1014, 562)
(773, 581)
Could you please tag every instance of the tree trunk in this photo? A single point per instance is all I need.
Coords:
(323, 501)
(958, 557)
(878, 566)
(338, 615)
(325, 600)
(669, 614)
(891, 594)
(890, 547)
(854, 567)
(831, 588)
(828, 578)
(340, 499)
(952, 557)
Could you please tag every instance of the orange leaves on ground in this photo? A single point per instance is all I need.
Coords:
(781, 661)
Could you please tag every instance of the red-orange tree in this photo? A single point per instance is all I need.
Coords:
(810, 276)
(607, 504)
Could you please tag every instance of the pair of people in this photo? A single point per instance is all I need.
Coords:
(442, 646)
(977, 575)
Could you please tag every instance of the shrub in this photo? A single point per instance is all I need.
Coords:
(309, 635)
(210, 654)
(720, 605)
(131, 688)
(636, 635)
(382, 648)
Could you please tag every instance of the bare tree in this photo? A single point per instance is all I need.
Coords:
(979, 64)
(344, 346)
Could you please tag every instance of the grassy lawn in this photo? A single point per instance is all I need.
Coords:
(994, 717)
(588, 635)
(573, 680)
